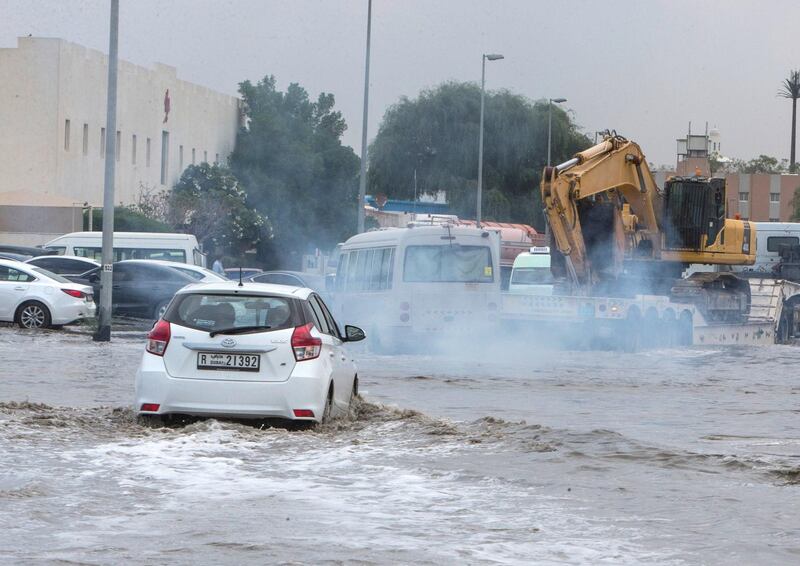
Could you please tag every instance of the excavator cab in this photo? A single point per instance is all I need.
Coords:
(693, 212)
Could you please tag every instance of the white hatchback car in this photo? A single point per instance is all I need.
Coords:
(248, 350)
(36, 298)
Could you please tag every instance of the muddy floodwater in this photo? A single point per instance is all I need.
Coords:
(527, 456)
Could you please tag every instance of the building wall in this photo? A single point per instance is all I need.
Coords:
(49, 81)
(769, 196)
(48, 222)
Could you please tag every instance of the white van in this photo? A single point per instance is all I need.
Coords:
(769, 237)
(531, 273)
(182, 248)
(407, 287)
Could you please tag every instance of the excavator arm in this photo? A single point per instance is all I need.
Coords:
(615, 173)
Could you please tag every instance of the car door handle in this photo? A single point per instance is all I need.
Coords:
(19, 288)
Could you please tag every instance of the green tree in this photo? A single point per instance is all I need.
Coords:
(208, 202)
(790, 88)
(437, 134)
(126, 219)
(796, 206)
(293, 165)
(761, 164)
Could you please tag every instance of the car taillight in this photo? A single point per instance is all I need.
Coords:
(75, 293)
(158, 338)
(305, 346)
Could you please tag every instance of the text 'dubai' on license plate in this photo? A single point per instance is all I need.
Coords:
(239, 362)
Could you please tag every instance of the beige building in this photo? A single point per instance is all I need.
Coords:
(53, 114)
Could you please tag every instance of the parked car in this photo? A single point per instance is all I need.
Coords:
(257, 351)
(24, 250)
(202, 274)
(14, 256)
(232, 273)
(293, 279)
(35, 298)
(64, 265)
(139, 289)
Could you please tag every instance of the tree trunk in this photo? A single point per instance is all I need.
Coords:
(794, 130)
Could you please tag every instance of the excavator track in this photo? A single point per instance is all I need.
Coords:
(720, 297)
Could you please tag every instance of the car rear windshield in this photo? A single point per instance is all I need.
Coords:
(51, 275)
(209, 311)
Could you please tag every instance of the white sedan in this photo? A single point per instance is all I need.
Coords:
(248, 350)
(36, 298)
(196, 272)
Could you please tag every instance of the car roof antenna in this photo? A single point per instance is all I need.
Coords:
(240, 277)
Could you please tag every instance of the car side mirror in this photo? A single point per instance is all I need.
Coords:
(353, 333)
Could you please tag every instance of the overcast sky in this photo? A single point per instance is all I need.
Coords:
(643, 68)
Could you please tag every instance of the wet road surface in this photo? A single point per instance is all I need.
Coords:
(669, 456)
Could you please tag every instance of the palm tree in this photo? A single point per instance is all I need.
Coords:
(791, 89)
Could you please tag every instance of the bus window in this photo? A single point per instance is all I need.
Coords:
(341, 271)
(448, 263)
(774, 242)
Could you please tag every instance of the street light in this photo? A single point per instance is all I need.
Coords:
(362, 179)
(490, 57)
(550, 102)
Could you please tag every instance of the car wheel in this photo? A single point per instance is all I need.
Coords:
(327, 412)
(351, 405)
(33, 315)
(151, 421)
(160, 309)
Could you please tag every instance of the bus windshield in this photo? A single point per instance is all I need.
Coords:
(448, 263)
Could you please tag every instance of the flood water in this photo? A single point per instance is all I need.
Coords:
(667, 456)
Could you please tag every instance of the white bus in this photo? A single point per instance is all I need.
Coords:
(409, 287)
(182, 248)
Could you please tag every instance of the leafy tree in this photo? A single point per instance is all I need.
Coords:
(208, 202)
(790, 88)
(126, 219)
(796, 206)
(437, 134)
(761, 164)
(293, 165)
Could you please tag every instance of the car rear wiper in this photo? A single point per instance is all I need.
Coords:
(238, 330)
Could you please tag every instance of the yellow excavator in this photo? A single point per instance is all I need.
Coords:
(617, 234)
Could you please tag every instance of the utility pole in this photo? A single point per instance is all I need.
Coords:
(103, 333)
(484, 57)
(362, 181)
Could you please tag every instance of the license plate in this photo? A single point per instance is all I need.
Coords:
(238, 362)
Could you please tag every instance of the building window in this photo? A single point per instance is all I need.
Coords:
(118, 149)
(774, 197)
(205, 156)
(86, 139)
(133, 149)
(180, 158)
(774, 219)
(745, 218)
(164, 156)
(147, 153)
(66, 135)
(744, 197)
(193, 161)
(102, 142)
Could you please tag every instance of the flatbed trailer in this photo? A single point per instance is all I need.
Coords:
(652, 320)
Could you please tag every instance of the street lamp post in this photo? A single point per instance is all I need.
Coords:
(362, 180)
(490, 57)
(103, 333)
(550, 102)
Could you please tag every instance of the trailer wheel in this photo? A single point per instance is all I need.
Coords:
(632, 335)
(686, 329)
